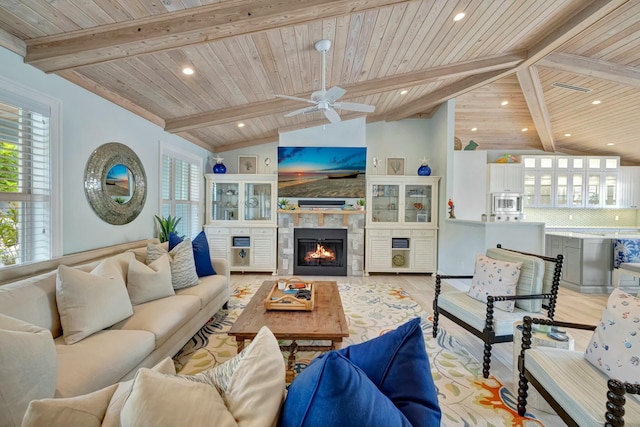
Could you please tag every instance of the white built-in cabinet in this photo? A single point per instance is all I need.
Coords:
(401, 224)
(241, 220)
(505, 177)
(629, 187)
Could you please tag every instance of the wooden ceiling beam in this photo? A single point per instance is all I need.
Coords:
(205, 24)
(594, 68)
(354, 90)
(245, 144)
(534, 96)
(431, 100)
(573, 26)
(13, 43)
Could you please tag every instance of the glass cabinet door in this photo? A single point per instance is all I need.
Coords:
(385, 203)
(257, 201)
(417, 203)
(224, 201)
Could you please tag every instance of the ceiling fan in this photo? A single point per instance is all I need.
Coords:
(325, 100)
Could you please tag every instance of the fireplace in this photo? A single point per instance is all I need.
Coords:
(320, 251)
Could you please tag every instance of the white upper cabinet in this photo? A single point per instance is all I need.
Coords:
(505, 177)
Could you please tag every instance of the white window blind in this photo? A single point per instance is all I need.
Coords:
(25, 183)
(181, 180)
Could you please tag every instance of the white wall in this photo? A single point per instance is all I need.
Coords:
(89, 121)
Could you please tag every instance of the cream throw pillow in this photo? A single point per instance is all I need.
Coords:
(90, 302)
(148, 283)
(496, 278)
(163, 400)
(260, 363)
(183, 266)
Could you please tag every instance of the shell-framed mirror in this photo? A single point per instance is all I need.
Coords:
(115, 183)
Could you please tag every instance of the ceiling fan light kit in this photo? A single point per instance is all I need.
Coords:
(325, 100)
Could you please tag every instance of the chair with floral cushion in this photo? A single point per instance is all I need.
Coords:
(506, 286)
(626, 259)
(600, 386)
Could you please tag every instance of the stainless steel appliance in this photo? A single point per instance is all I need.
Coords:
(507, 206)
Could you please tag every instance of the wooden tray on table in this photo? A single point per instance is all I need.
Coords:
(286, 299)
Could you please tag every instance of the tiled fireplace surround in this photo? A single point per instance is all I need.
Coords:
(355, 237)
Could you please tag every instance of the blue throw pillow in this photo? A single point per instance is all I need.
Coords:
(201, 254)
(331, 391)
(396, 365)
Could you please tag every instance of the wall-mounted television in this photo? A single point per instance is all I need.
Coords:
(322, 172)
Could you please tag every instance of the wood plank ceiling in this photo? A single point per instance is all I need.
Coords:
(244, 52)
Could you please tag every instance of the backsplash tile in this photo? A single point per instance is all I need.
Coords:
(594, 218)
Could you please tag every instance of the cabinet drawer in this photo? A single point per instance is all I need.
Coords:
(216, 230)
(423, 233)
(379, 233)
(263, 232)
(240, 231)
(401, 233)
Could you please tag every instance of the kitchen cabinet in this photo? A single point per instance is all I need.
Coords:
(587, 260)
(629, 187)
(505, 177)
(401, 230)
(240, 220)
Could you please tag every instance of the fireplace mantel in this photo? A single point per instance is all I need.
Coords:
(321, 213)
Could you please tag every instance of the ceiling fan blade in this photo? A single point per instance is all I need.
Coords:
(352, 106)
(295, 98)
(334, 93)
(331, 114)
(304, 110)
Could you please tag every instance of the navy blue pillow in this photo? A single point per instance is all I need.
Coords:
(396, 365)
(201, 254)
(332, 391)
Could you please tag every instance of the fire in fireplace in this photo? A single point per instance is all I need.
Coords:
(320, 252)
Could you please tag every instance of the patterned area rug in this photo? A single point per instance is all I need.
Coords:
(372, 309)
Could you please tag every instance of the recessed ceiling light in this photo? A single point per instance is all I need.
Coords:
(525, 129)
(567, 134)
(240, 125)
(187, 70)
(458, 16)
(404, 92)
(611, 143)
(596, 102)
(474, 129)
(503, 103)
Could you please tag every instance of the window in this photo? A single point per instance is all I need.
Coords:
(180, 187)
(28, 148)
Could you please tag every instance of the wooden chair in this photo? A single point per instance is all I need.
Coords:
(579, 392)
(537, 289)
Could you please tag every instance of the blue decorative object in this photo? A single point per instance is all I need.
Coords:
(219, 167)
(424, 169)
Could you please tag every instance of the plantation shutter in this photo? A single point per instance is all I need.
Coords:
(25, 182)
(181, 192)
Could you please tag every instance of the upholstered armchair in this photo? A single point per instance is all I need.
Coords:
(534, 293)
(626, 259)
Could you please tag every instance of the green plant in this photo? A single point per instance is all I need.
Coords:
(361, 202)
(9, 234)
(166, 226)
(119, 200)
(282, 203)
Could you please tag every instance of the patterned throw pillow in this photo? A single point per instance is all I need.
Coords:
(183, 267)
(615, 345)
(497, 278)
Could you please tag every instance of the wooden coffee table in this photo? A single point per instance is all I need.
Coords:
(326, 322)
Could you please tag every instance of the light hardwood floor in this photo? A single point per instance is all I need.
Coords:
(572, 307)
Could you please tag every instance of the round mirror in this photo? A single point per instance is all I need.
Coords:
(115, 183)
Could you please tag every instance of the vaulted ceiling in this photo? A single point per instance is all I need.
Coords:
(549, 59)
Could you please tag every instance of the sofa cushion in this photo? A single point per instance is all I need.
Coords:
(383, 381)
(208, 288)
(89, 302)
(28, 367)
(615, 343)
(149, 282)
(163, 400)
(99, 360)
(183, 268)
(260, 363)
(495, 277)
(201, 254)
(162, 317)
(531, 277)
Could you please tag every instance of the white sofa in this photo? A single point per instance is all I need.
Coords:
(29, 318)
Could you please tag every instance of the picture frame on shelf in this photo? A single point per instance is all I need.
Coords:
(395, 165)
(248, 164)
(421, 217)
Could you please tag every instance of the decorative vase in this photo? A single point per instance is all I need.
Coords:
(219, 168)
(424, 170)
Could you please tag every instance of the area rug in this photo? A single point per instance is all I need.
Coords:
(372, 309)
